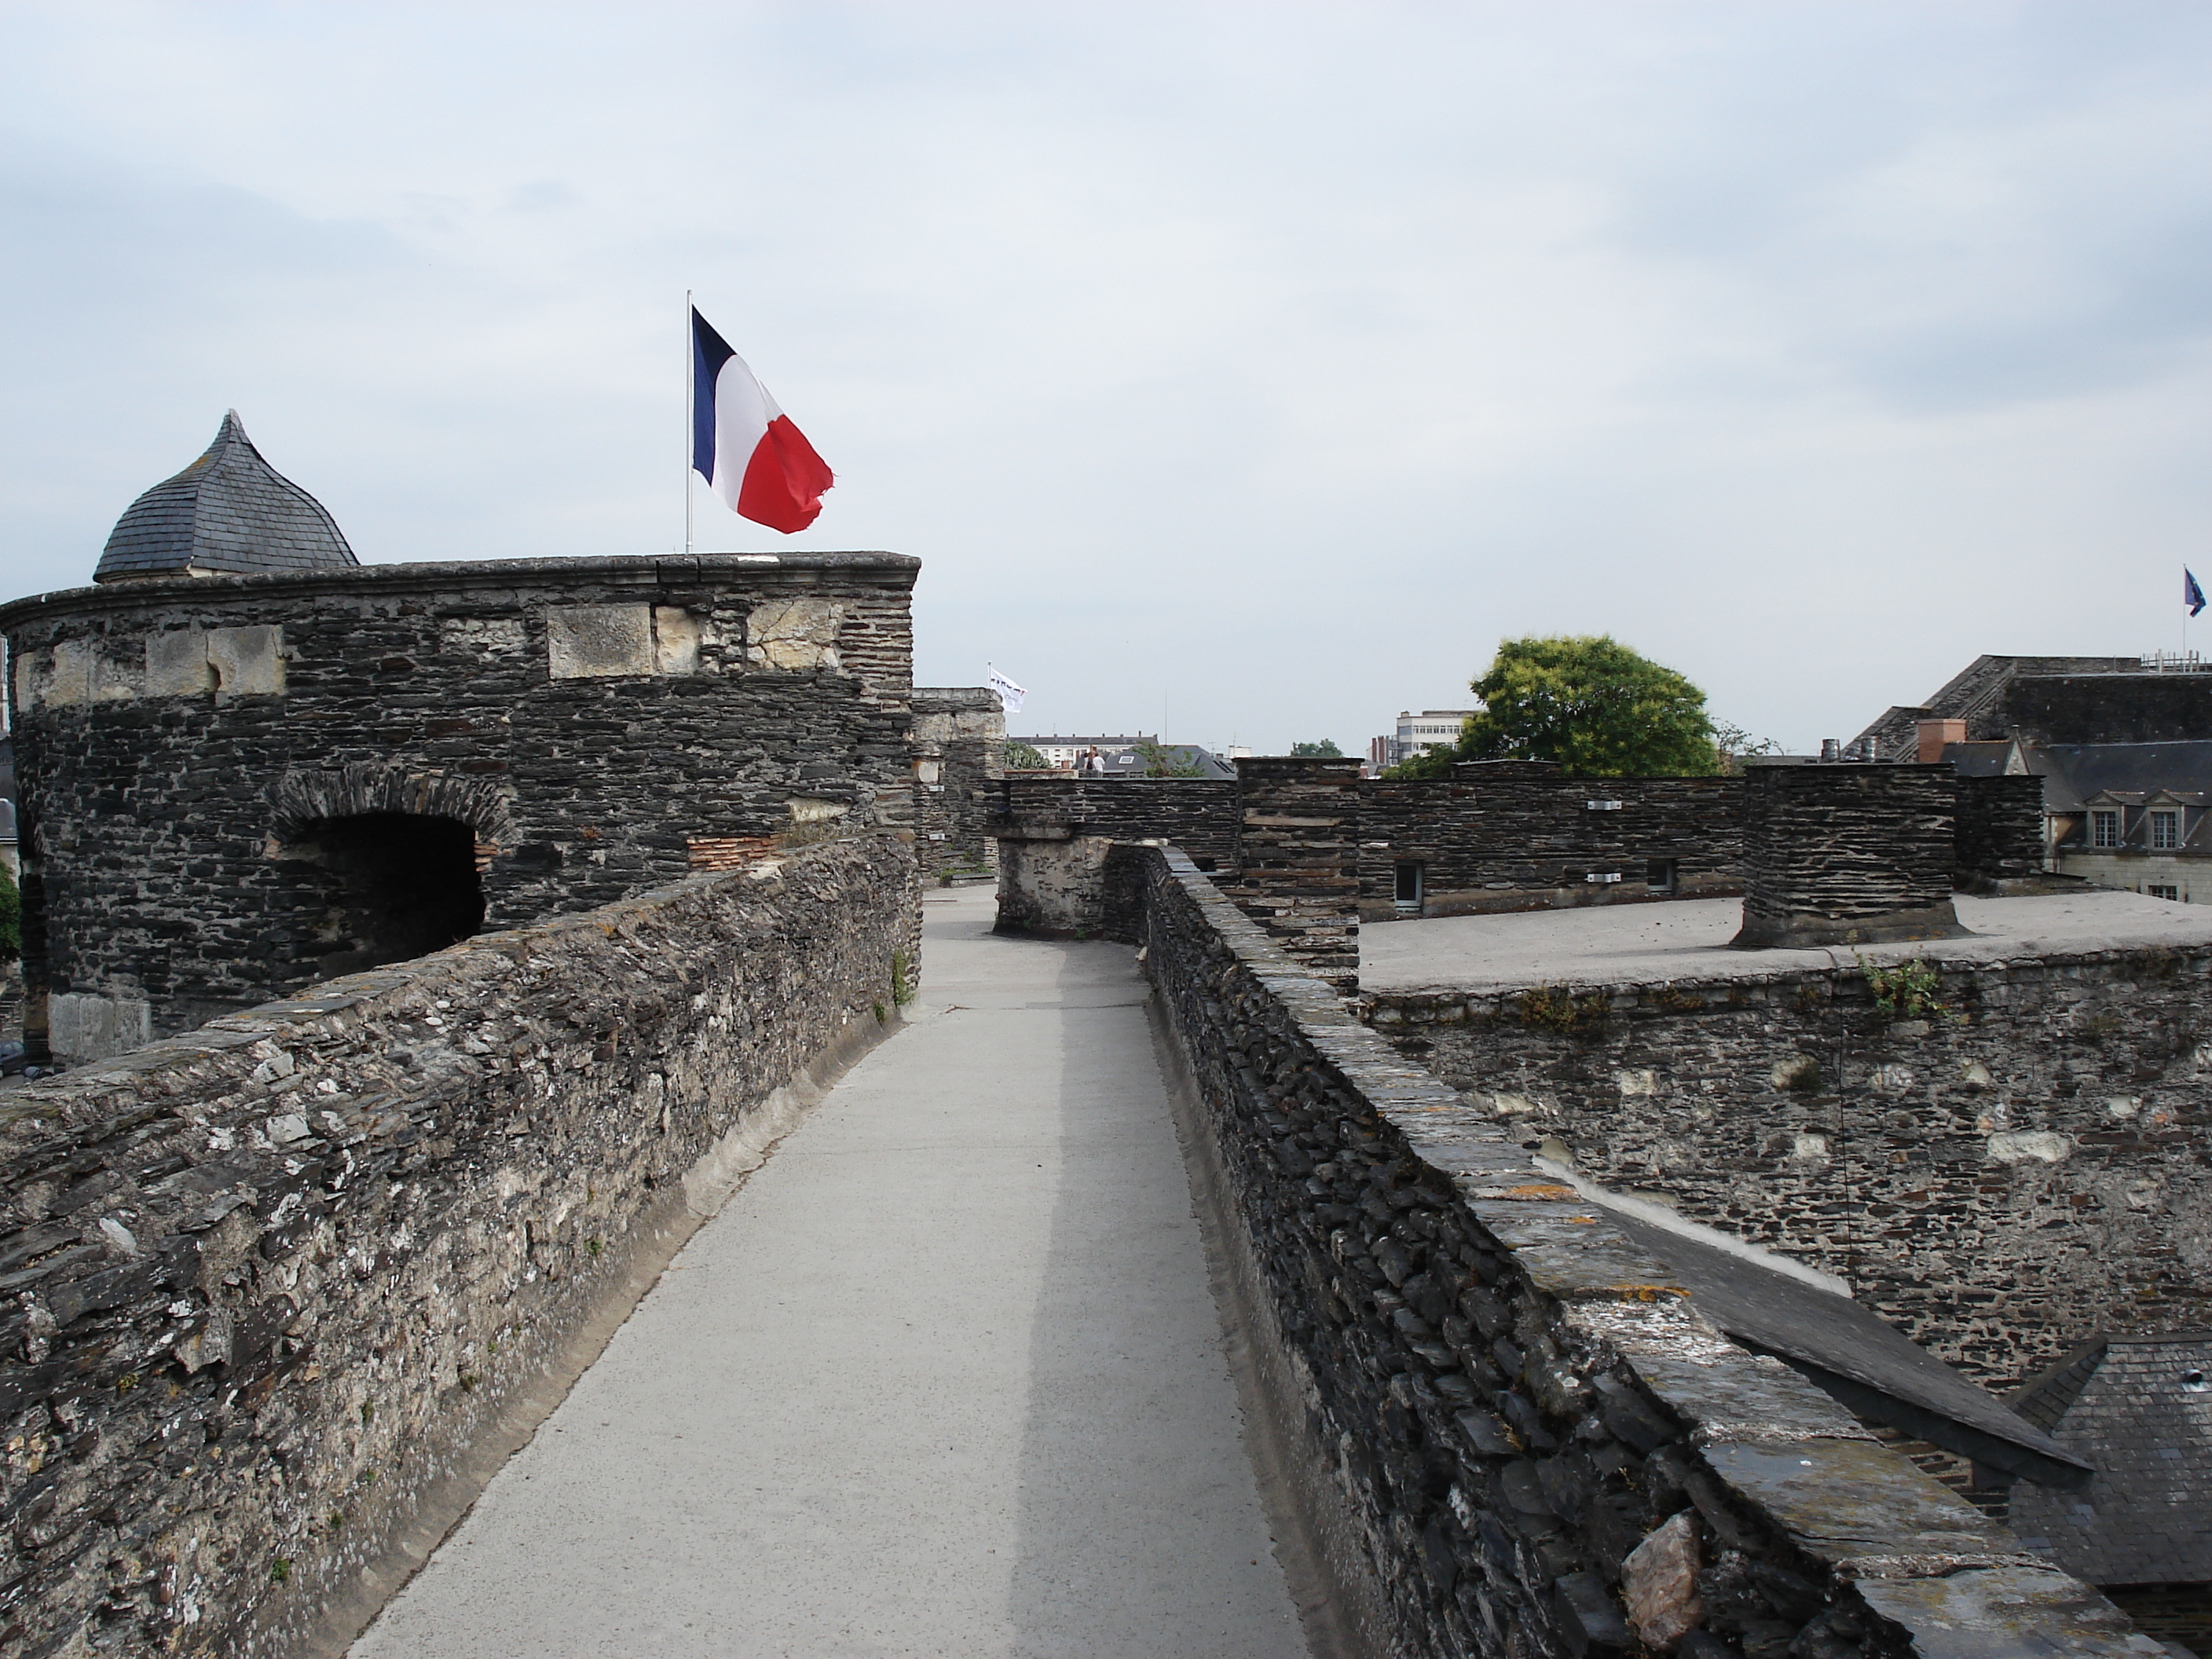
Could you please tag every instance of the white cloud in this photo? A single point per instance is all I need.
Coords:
(1274, 361)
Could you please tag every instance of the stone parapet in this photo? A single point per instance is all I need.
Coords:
(1298, 863)
(1512, 1433)
(282, 1292)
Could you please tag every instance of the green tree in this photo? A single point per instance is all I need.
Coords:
(1325, 749)
(1588, 702)
(1023, 757)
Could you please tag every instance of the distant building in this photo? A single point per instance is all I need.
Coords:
(1121, 755)
(2123, 745)
(1429, 729)
(1066, 751)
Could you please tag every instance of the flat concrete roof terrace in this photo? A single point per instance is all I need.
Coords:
(1626, 944)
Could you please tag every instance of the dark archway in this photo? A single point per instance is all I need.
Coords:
(394, 886)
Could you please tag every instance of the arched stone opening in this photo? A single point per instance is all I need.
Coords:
(392, 886)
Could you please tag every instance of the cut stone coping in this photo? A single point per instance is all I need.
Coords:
(1688, 940)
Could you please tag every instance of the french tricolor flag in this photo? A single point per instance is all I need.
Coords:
(744, 445)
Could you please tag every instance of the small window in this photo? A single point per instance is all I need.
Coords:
(2174, 893)
(1408, 891)
(2166, 830)
(2104, 828)
(1659, 876)
(1206, 866)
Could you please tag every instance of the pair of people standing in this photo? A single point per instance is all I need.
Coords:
(1093, 763)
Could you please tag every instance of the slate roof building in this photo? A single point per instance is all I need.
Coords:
(2140, 1409)
(228, 514)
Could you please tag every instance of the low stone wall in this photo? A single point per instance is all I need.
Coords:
(2002, 1164)
(280, 1293)
(1516, 1435)
(1489, 842)
(1199, 815)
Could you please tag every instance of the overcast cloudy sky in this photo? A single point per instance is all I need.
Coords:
(1265, 363)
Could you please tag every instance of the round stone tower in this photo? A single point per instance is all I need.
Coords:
(240, 781)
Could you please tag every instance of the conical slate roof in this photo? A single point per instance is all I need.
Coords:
(228, 512)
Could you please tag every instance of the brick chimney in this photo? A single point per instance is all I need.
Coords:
(1934, 734)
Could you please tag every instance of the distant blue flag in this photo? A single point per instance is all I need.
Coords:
(2191, 594)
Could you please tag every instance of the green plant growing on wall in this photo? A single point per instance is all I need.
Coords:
(1906, 989)
(1160, 761)
(1555, 1008)
(902, 986)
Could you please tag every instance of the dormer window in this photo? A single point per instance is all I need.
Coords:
(2165, 831)
(2104, 828)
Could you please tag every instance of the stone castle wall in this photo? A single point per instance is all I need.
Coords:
(1492, 843)
(1997, 836)
(280, 1293)
(2001, 1176)
(592, 726)
(1510, 1432)
(958, 740)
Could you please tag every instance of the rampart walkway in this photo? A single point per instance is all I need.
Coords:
(944, 1377)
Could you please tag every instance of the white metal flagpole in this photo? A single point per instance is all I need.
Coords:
(690, 414)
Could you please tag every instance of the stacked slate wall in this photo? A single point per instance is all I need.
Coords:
(1848, 854)
(1512, 1432)
(282, 1292)
(1997, 836)
(1488, 843)
(1297, 859)
(958, 740)
(2007, 1159)
(594, 726)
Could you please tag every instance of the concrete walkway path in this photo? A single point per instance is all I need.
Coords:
(944, 1377)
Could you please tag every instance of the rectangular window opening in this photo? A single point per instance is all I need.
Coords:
(1408, 891)
(2104, 828)
(1659, 876)
(2174, 893)
(2166, 830)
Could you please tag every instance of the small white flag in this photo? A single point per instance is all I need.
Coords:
(1010, 695)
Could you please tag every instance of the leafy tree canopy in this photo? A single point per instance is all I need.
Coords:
(1023, 757)
(1325, 749)
(1588, 702)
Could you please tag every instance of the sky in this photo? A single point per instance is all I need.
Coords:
(1251, 369)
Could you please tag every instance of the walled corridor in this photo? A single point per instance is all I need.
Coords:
(945, 1376)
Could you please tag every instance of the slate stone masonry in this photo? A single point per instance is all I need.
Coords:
(1513, 1434)
(1848, 854)
(279, 1294)
(959, 748)
(594, 726)
(2018, 1160)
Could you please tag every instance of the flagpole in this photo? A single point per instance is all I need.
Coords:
(690, 414)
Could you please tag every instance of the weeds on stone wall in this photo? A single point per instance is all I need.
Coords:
(903, 989)
(1907, 989)
(1555, 1008)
